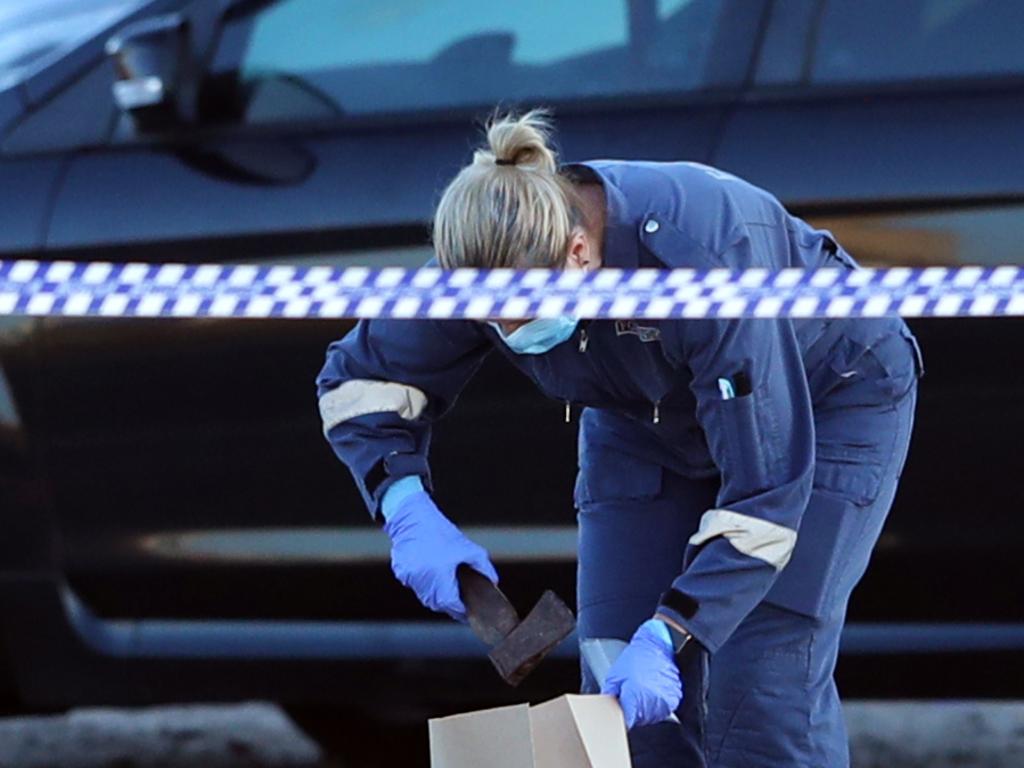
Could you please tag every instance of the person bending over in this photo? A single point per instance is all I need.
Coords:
(734, 475)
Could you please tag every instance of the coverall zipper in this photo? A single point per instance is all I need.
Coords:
(584, 340)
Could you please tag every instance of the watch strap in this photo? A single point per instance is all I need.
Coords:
(679, 636)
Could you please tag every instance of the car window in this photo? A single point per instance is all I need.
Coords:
(987, 236)
(36, 32)
(783, 50)
(879, 40)
(373, 56)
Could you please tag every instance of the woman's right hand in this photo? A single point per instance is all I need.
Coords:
(426, 550)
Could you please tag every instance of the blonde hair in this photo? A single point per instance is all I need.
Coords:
(509, 207)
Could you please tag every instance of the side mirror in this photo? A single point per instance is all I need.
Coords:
(156, 74)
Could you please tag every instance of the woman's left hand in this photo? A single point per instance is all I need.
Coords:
(645, 677)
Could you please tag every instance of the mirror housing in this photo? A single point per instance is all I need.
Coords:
(156, 73)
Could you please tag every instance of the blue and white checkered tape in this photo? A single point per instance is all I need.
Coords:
(103, 289)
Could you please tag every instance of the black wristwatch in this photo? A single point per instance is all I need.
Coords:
(680, 637)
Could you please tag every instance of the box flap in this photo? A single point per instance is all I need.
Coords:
(602, 730)
(556, 741)
(496, 738)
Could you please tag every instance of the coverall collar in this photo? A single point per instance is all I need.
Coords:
(621, 245)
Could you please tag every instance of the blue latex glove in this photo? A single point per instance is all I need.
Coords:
(427, 548)
(645, 677)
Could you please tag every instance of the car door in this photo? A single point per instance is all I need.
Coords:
(897, 126)
(189, 474)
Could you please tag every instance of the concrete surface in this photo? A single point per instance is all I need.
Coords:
(958, 734)
(251, 735)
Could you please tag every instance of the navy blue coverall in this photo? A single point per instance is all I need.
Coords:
(747, 519)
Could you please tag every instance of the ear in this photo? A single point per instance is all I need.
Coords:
(580, 255)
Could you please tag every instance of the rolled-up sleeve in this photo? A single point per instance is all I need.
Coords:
(382, 387)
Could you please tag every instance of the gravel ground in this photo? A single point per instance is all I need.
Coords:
(169, 737)
(882, 735)
(958, 734)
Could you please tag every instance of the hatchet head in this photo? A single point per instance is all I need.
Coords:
(517, 647)
(525, 647)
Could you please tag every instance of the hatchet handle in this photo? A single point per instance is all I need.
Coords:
(491, 615)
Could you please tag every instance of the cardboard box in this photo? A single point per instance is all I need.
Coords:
(567, 732)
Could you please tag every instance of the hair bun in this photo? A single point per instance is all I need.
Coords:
(520, 141)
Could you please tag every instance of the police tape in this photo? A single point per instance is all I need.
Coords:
(101, 289)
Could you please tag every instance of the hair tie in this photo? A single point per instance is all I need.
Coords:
(502, 161)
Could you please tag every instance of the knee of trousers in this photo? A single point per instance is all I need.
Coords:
(771, 698)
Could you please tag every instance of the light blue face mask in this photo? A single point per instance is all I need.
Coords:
(538, 336)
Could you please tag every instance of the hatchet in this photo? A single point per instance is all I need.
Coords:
(517, 647)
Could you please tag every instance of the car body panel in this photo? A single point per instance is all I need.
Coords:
(181, 530)
(154, 195)
(32, 184)
(11, 107)
(76, 117)
(890, 143)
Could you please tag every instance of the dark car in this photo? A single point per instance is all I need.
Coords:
(175, 525)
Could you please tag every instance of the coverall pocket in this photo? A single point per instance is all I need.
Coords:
(860, 455)
(842, 470)
(607, 474)
(745, 423)
(879, 374)
(853, 448)
(830, 529)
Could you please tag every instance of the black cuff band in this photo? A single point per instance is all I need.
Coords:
(680, 602)
(396, 464)
(378, 474)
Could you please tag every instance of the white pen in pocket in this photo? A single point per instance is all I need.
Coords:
(726, 388)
